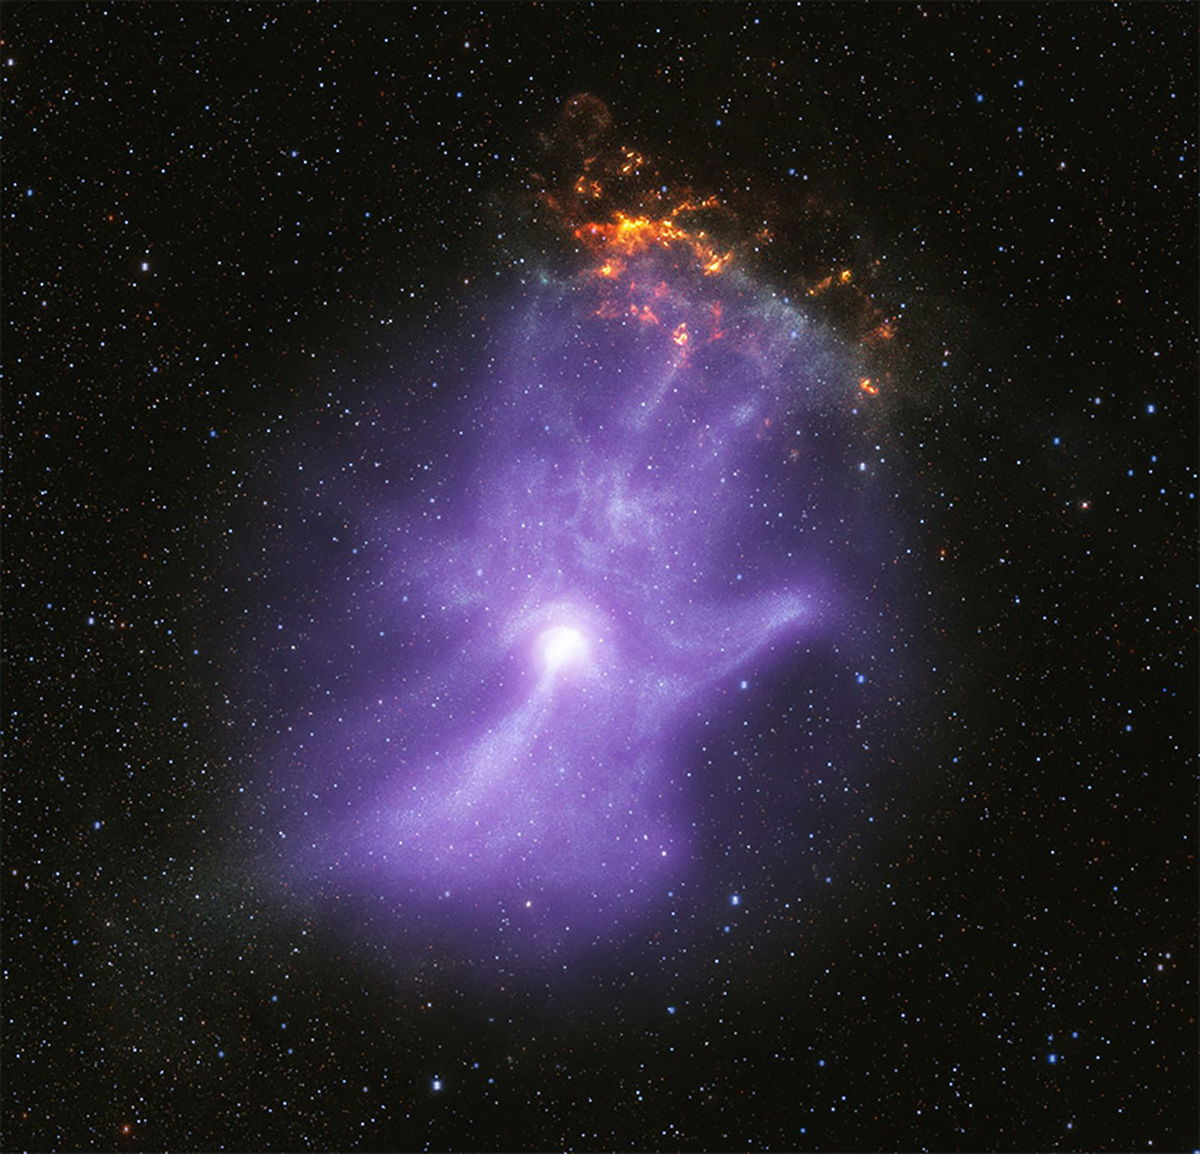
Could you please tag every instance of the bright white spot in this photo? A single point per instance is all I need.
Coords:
(562, 646)
(437, 1084)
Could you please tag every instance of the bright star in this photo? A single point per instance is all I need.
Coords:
(561, 647)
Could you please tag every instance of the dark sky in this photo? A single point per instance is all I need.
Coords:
(223, 224)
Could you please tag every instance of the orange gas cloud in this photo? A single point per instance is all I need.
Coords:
(609, 198)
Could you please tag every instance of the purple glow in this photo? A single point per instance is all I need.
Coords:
(541, 634)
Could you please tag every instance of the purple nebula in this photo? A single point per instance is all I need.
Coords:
(522, 671)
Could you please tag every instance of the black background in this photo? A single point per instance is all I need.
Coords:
(319, 191)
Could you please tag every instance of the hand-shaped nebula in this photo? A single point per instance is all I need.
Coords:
(613, 559)
(627, 530)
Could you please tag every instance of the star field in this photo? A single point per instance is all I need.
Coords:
(591, 577)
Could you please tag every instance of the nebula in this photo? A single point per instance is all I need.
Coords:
(627, 529)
